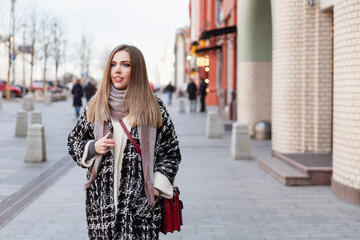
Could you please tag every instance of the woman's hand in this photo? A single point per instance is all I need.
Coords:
(156, 192)
(103, 144)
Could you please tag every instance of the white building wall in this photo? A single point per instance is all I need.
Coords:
(195, 12)
(180, 61)
(3, 61)
(165, 68)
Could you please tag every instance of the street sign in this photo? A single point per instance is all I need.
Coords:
(25, 49)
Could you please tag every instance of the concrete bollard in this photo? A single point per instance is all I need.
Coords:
(64, 94)
(21, 124)
(181, 106)
(28, 102)
(240, 141)
(47, 98)
(38, 96)
(1, 99)
(35, 118)
(213, 125)
(35, 144)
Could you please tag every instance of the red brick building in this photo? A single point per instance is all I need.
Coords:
(213, 51)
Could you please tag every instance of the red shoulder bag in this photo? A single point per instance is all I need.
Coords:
(171, 208)
(171, 213)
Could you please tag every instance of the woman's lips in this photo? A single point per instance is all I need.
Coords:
(118, 79)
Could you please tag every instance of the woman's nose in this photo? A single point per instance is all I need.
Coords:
(117, 69)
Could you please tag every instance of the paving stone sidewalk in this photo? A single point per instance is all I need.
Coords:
(223, 198)
(58, 119)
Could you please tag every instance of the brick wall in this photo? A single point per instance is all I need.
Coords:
(346, 142)
(287, 76)
(324, 83)
(302, 79)
(309, 80)
(254, 92)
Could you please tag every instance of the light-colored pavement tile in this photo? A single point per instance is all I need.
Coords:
(223, 198)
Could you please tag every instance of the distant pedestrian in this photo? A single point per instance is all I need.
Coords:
(89, 90)
(125, 184)
(169, 89)
(77, 92)
(202, 91)
(192, 90)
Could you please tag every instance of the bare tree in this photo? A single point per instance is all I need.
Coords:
(11, 47)
(33, 40)
(104, 57)
(45, 41)
(57, 35)
(85, 55)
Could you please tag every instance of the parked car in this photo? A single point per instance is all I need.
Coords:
(38, 85)
(14, 91)
(19, 86)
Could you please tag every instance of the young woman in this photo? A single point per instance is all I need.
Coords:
(124, 187)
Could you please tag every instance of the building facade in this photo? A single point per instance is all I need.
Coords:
(213, 52)
(182, 58)
(254, 62)
(296, 65)
(314, 80)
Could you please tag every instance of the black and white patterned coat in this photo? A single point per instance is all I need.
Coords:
(134, 219)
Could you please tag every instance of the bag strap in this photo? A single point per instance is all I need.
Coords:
(130, 137)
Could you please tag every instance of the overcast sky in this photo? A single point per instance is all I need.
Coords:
(148, 24)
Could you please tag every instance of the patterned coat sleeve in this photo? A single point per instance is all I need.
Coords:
(167, 151)
(79, 136)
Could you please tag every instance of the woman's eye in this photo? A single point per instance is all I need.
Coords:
(113, 64)
(126, 65)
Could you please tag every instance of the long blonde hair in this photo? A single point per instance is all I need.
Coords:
(139, 98)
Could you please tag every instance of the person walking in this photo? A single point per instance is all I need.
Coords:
(125, 184)
(77, 92)
(192, 89)
(169, 89)
(202, 91)
(89, 90)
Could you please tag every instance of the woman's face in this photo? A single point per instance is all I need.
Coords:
(120, 70)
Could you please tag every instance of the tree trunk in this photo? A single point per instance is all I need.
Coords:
(56, 76)
(8, 84)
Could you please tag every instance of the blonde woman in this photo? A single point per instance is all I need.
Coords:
(124, 187)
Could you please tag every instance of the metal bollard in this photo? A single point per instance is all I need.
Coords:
(1, 99)
(213, 125)
(240, 141)
(35, 118)
(262, 130)
(35, 144)
(21, 124)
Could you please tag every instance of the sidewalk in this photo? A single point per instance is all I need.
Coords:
(223, 198)
(58, 119)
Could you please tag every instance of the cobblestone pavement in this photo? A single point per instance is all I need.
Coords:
(223, 198)
(58, 120)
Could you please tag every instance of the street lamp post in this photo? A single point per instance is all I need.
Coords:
(23, 30)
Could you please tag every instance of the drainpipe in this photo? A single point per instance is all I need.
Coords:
(219, 55)
(219, 71)
(217, 13)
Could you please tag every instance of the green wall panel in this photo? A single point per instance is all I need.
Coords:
(254, 30)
